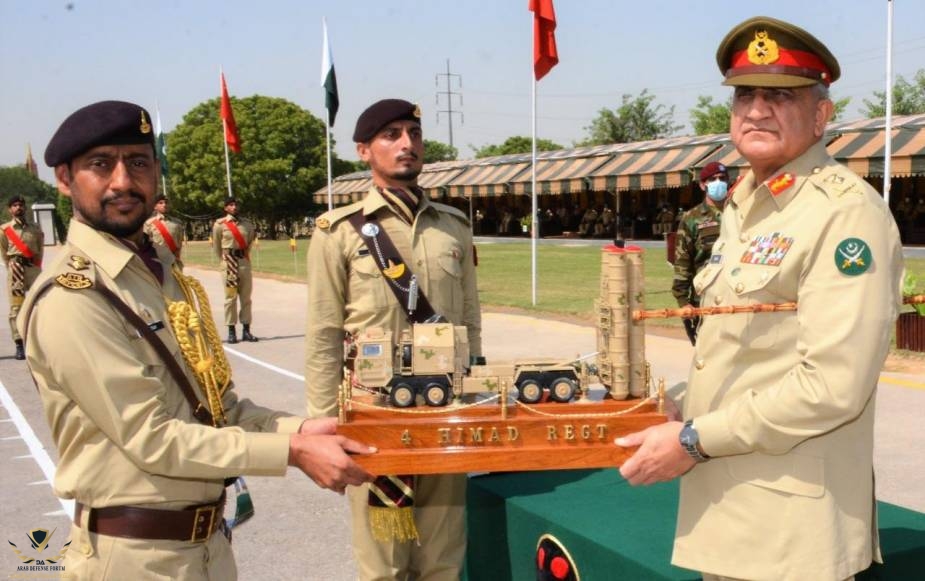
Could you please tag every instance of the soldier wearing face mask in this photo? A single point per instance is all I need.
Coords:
(698, 230)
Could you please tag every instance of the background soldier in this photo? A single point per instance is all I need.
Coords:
(232, 237)
(138, 440)
(348, 291)
(21, 245)
(164, 231)
(697, 232)
(776, 451)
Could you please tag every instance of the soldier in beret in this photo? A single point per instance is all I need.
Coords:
(698, 230)
(21, 245)
(232, 238)
(359, 256)
(776, 449)
(137, 402)
(164, 231)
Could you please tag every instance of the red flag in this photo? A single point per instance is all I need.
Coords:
(545, 55)
(231, 129)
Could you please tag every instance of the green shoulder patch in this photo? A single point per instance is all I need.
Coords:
(853, 256)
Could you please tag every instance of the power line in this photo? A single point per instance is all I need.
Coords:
(449, 97)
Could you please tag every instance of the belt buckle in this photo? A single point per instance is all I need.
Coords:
(199, 516)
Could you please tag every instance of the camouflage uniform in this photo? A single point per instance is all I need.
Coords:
(698, 230)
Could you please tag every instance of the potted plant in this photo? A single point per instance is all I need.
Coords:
(525, 223)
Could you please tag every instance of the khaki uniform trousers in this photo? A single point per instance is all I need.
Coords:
(242, 296)
(440, 516)
(94, 557)
(30, 274)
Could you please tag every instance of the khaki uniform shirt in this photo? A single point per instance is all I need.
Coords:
(175, 229)
(784, 402)
(346, 290)
(125, 433)
(30, 234)
(222, 239)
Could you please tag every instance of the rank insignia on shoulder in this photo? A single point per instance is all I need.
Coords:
(853, 256)
(73, 281)
(780, 183)
(323, 223)
(79, 263)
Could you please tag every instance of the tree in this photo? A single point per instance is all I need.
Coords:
(515, 144)
(635, 120)
(708, 118)
(281, 163)
(908, 98)
(839, 108)
(437, 151)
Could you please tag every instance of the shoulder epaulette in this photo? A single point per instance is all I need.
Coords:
(452, 211)
(334, 216)
(837, 181)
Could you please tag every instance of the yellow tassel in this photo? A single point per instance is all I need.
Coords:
(392, 524)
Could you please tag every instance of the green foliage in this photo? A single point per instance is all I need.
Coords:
(437, 151)
(910, 282)
(908, 98)
(709, 118)
(840, 106)
(282, 160)
(636, 119)
(515, 144)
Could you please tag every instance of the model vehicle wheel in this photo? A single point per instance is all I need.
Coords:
(402, 395)
(562, 389)
(436, 395)
(530, 391)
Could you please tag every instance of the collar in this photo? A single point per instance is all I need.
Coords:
(231, 218)
(776, 187)
(373, 202)
(109, 253)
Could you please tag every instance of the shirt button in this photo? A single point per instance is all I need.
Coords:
(699, 364)
(764, 276)
(85, 549)
(717, 300)
(740, 287)
(817, 169)
(743, 237)
(420, 263)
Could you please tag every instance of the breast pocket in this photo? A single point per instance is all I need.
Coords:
(752, 284)
(446, 280)
(367, 285)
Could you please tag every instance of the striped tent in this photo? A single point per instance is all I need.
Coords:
(436, 176)
(488, 177)
(557, 176)
(657, 164)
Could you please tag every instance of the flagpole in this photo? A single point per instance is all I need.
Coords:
(327, 139)
(159, 130)
(888, 124)
(221, 75)
(534, 230)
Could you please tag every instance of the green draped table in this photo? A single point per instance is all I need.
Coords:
(615, 531)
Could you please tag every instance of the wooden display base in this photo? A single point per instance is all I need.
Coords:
(543, 436)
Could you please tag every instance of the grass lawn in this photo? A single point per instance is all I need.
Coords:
(568, 282)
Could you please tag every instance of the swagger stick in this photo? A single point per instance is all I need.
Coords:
(690, 312)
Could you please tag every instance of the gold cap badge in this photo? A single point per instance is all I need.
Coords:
(417, 111)
(145, 127)
(763, 49)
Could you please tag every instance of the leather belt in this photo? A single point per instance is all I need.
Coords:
(235, 252)
(195, 524)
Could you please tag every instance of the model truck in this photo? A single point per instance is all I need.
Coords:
(431, 360)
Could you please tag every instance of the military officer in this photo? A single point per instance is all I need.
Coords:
(141, 448)
(21, 245)
(162, 230)
(697, 232)
(348, 291)
(776, 449)
(232, 238)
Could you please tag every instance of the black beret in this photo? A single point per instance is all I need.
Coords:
(380, 114)
(15, 198)
(160, 197)
(230, 200)
(103, 123)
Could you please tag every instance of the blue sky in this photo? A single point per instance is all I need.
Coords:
(56, 56)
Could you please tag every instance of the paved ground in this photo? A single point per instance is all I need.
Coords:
(301, 532)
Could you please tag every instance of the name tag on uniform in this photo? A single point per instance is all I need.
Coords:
(363, 252)
(156, 325)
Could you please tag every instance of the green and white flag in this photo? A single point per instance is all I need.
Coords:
(328, 78)
(161, 143)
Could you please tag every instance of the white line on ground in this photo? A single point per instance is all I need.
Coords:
(35, 445)
(269, 366)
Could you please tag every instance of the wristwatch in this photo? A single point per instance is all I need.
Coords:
(689, 439)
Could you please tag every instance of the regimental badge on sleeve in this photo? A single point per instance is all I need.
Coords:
(853, 256)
